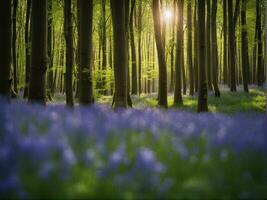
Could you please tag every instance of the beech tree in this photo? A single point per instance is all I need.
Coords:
(178, 100)
(133, 50)
(162, 97)
(202, 82)
(244, 43)
(69, 51)
(5, 50)
(85, 20)
(214, 49)
(231, 44)
(37, 89)
(50, 51)
(27, 49)
(14, 47)
(189, 47)
(120, 52)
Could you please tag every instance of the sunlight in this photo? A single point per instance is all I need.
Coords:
(167, 15)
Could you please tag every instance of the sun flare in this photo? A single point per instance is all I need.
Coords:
(167, 15)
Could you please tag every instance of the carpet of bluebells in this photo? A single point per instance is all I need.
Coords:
(95, 152)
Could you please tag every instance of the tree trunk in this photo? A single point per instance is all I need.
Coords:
(133, 52)
(244, 43)
(49, 51)
(225, 51)
(104, 48)
(214, 48)
(189, 47)
(37, 90)
(196, 47)
(202, 90)
(208, 45)
(85, 19)
(161, 56)
(14, 46)
(120, 52)
(231, 44)
(260, 68)
(139, 30)
(27, 49)
(178, 100)
(69, 51)
(5, 50)
(173, 48)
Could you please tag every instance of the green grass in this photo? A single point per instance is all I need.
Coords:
(229, 102)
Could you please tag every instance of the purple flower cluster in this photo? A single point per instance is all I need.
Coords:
(48, 143)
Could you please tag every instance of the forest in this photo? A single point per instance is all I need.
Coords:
(127, 99)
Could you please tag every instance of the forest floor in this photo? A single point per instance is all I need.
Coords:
(228, 103)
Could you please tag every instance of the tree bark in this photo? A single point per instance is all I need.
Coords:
(225, 50)
(69, 51)
(85, 19)
(196, 47)
(14, 47)
(260, 68)
(104, 48)
(133, 52)
(5, 50)
(178, 100)
(189, 46)
(202, 90)
(244, 46)
(120, 52)
(27, 49)
(161, 56)
(139, 30)
(37, 90)
(208, 45)
(231, 44)
(214, 48)
(49, 52)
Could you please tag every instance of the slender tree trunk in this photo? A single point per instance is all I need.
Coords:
(225, 51)
(104, 48)
(120, 52)
(127, 17)
(178, 100)
(214, 48)
(254, 56)
(231, 42)
(69, 51)
(184, 80)
(27, 49)
(37, 90)
(189, 47)
(111, 61)
(5, 50)
(49, 51)
(196, 47)
(260, 68)
(85, 19)
(244, 43)
(173, 48)
(139, 30)
(208, 45)
(133, 52)
(14, 47)
(78, 90)
(161, 56)
(202, 90)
